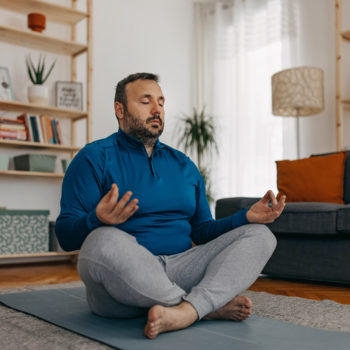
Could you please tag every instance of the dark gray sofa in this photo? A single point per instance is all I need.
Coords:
(313, 239)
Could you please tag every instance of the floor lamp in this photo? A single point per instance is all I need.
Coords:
(297, 92)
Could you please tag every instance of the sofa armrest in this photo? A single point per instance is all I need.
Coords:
(228, 206)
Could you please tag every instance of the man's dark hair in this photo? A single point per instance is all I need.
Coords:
(120, 95)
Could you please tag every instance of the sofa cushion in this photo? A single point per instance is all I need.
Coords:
(343, 219)
(307, 218)
(314, 179)
(346, 174)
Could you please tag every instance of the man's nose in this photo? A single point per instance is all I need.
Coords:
(156, 108)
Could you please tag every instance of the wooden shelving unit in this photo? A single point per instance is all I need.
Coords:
(38, 41)
(37, 146)
(53, 12)
(341, 103)
(30, 173)
(23, 107)
(69, 16)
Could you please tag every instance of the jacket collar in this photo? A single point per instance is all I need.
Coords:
(130, 141)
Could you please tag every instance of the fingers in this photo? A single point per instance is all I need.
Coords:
(123, 210)
(111, 211)
(274, 202)
(277, 207)
(111, 198)
(266, 198)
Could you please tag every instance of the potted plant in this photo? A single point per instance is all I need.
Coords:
(197, 135)
(38, 93)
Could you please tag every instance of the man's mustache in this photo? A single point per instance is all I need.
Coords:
(154, 117)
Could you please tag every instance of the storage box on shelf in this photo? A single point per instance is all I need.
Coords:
(24, 231)
(35, 162)
(65, 15)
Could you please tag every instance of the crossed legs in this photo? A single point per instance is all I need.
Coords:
(123, 279)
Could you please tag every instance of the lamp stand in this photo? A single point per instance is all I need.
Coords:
(298, 137)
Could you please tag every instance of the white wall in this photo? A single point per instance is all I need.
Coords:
(128, 36)
(317, 48)
(133, 36)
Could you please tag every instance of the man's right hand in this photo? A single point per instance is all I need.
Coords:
(113, 212)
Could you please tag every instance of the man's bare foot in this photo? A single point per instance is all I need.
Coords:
(163, 319)
(237, 309)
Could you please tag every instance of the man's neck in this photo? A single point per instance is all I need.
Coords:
(148, 142)
(149, 150)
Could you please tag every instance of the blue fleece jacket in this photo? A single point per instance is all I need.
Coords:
(173, 209)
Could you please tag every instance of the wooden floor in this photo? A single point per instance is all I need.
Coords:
(36, 274)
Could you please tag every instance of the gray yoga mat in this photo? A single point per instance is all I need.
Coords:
(68, 309)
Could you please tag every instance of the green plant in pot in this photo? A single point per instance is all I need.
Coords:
(196, 134)
(38, 93)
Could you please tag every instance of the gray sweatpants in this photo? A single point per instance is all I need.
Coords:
(123, 279)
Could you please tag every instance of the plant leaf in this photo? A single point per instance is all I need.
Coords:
(31, 70)
(50, 70)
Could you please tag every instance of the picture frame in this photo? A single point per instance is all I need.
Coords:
(69, 95)
(6, 90)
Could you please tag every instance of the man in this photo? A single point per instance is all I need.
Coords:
(136, 247)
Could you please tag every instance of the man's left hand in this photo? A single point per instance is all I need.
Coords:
(262, 213)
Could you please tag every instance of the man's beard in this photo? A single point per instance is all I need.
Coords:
(136, 128)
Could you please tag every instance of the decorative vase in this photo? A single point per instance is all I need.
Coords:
(38, 94)
(36, 22)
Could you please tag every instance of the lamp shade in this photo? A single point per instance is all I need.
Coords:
(297, 92)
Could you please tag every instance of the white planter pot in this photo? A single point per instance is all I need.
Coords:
(38, 94)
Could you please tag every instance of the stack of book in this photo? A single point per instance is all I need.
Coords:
(12, 129)
(34, 128)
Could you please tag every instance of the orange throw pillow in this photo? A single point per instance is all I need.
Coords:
(314, 179)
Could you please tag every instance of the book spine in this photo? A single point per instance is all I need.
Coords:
(49, 130)
(34, 128)
(10, 121)
(40, 133)
(54, 131)
(4, 126)
(30, 130)
(59, 132)
(43, 129)
(13, 135)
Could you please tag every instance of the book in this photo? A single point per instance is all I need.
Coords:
(34, 128)
(49, 130)
(59, 132)
(54, 130)
(24, 119)
(6, 126)
(13, 135)
(44, 129)
(30, 129)
(10, 121)
(40, 132)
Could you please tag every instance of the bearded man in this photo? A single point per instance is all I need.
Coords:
(133, 206)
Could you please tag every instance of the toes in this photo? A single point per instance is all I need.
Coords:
(151, 331)
(244, 301)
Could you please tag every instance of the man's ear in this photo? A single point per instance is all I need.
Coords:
(119, 110)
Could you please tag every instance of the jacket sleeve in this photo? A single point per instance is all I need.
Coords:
(81, 192)
(204, 227)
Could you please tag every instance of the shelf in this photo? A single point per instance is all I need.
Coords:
(345, 101)
(346, 35)
(40, 41)
(30, 173)
(37, 257)
(37, 145)
(24, 107)
(52, 12)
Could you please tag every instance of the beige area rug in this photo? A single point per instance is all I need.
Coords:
(20, 331)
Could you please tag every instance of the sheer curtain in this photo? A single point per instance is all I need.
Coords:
(240, 44)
